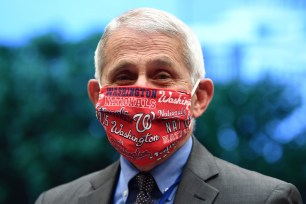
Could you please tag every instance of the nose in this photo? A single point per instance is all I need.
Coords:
(142, 81)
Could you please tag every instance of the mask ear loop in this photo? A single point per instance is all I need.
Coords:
(192, 92)
(195, 86)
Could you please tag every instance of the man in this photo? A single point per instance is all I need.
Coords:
(148, 90)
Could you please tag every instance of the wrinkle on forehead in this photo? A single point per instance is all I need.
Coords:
(142, 43)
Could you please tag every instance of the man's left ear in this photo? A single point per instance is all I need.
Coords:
(93, 90)
(204, 95)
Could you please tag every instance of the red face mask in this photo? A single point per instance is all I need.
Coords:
(144, 124)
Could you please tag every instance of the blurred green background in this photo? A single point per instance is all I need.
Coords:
(254, 52)
(49, 133)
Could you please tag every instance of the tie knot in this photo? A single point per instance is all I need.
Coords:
(143, 188)
(145, 182)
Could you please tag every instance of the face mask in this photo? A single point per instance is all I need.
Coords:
(143, 124)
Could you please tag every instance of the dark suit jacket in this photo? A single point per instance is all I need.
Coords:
(206, 179)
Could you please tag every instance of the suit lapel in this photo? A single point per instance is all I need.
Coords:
(102, 186)
(193, 187)
(200, 168)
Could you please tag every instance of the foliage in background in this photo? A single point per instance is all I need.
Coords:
(240, 127)
(49, 134)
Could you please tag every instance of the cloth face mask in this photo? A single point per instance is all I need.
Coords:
(144, 124)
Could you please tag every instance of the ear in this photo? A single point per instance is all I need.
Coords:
(203, 96)
(93, 90)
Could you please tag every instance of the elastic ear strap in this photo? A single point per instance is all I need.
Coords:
(195, 86)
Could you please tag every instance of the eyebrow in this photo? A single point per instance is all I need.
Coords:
(162, 61)
(122, 65)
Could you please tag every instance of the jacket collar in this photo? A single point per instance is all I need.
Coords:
(200, 168)
(103, 185)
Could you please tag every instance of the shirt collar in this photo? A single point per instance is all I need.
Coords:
(164, 174)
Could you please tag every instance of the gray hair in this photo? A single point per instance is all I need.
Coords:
(153, 20)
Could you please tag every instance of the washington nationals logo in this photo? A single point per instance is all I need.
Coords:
(144, 122)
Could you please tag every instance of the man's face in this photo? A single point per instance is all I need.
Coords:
(150, 60)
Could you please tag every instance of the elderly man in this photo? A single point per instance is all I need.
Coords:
(149, 89)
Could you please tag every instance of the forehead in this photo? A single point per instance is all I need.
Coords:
(128, 43)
